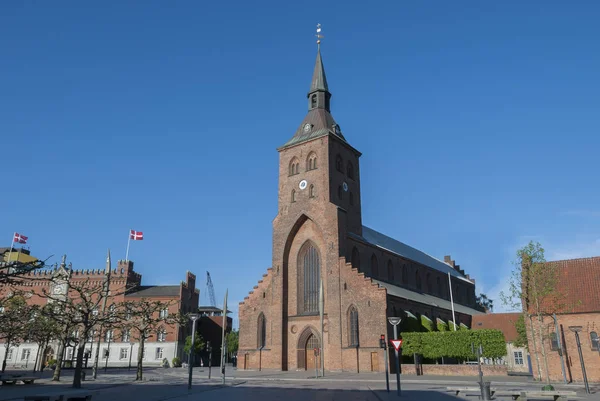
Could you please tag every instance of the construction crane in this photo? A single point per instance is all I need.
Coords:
(211, 290)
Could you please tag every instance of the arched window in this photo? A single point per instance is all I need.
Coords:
(339, 164)
(351, 199)
(311, 191)
(294, 167)
(390, 270)
(554, 341)
(404, 274)
(161, 335)
(418, 280)
(350, 170)
(355, 258)
(428, 283)
(262, 331)
(293, 195)
(352, 327)
(374, 266)
(313, 101)
(311, 161)
(340, 192)
(594, 339)
(311, 271)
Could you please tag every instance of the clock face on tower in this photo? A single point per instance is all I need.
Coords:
(307, 127)
(302, 184)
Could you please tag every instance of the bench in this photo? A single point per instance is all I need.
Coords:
(517, 395)
(60, 397)
(10, 380)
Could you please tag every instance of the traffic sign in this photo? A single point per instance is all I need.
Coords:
(397, 344)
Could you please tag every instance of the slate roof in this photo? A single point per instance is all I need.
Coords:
(578, 284)
(426, 299)
(505, 322)
(155, 291)
(380, 240)
(319, 80)
(322, 123)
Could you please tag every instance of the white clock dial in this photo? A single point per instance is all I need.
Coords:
(345, 186)
(307, 127)
(302, 184)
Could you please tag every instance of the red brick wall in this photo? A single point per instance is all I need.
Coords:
(455, 370)
(589, 322)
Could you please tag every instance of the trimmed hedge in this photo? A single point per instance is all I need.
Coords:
(454, 344)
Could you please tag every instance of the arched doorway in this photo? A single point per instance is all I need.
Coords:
(312, 360)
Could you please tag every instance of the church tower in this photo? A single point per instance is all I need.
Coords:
(319, 204)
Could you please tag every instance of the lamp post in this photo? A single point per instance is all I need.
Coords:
(130, 354)
(193, 317)
(395, 321)
(576, 330)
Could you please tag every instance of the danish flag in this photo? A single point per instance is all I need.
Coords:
(136, 235)
(20, 239)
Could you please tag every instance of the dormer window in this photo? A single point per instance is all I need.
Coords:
(313, 101)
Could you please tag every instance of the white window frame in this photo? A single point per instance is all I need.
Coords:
(126, 335)
(25, 351)
(518, 356)
(10, 353)
(108, 336)
(158, 353)
(123, 353)
(161, 336)
(164, 313)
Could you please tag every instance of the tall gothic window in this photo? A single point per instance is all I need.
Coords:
(554, 342)
(390, 270)
(311, 269)
(312, 191)
(353, 327)
(293, 195)
(438, 285)
(339, 164)
(374, 266)
(418, 280)
(428, 283)
(313, 101)
(262, 331)
(294, 167)
(311, 162)
(404, 274)
(350, 170)
(355, 258)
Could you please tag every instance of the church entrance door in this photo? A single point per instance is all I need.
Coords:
(312, 361)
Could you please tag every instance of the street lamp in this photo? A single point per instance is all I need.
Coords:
(193, 317)
(395, 321)
(576, 330)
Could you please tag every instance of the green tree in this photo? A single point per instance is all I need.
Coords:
(233, 341)
(43, 329)
(533, 289)
(484, 302)
(521, 340)
(199, 346)
(14, 320)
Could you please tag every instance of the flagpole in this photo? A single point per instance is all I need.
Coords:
(451, 300)
(11, 247)
(128, 242)
(223, 338)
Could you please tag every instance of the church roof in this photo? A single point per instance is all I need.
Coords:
(155, 291)
(426, 299)
(322, 124)
(380, 240)
(319, 80)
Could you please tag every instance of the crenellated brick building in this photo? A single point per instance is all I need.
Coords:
(126, 285)
(318, 236)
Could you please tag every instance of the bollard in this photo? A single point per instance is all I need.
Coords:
(485, 391)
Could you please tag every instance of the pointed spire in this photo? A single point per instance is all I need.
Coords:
(107, 263)
(319, 80)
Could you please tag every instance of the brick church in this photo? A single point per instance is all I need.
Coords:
(319, 237)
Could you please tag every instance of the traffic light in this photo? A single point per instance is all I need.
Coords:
(382, 341)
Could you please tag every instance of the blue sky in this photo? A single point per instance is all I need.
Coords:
(478, 124)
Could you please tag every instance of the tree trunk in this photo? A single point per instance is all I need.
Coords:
(7, 347)
(140, 357)
(536, 354)
(59, 360)
(37, 357)
(79, 365)
(541, 322)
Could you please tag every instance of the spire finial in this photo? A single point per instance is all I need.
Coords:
(319, 36)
